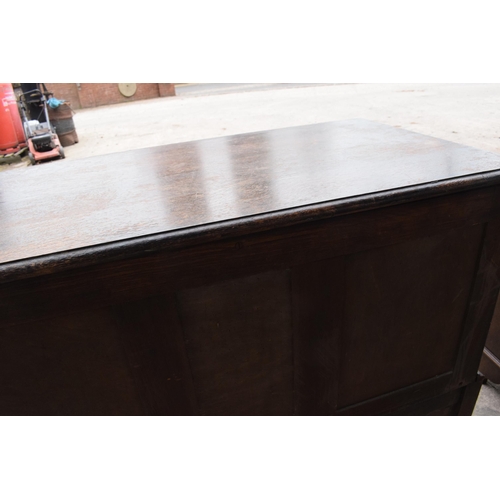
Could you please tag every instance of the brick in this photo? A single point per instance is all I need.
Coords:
(88, 95)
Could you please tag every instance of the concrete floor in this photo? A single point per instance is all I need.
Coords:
(488, 403)
(468, 114)
(465, 113)
(200, 89)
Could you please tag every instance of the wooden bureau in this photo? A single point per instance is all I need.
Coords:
(345, 268)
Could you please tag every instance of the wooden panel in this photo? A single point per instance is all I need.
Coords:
(152, 339)
(490, 360)
(469, 397)
(70, 365)
(405, 307)
(239, 343)
(481, 306)
(490, 366)
(318, 292)
(493, 340)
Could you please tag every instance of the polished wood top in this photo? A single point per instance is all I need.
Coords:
(60, 206)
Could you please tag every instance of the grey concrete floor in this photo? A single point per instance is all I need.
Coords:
(200, 89)
(464, 113)
(468, 114)
(488, 403)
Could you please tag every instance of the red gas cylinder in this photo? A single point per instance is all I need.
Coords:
(11, 128)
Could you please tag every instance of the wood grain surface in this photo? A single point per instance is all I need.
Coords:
(57, 207)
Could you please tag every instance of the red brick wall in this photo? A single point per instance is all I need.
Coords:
(89, 95)
(67, 92)
(166, 89)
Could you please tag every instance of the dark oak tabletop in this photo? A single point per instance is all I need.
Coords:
(66, 205)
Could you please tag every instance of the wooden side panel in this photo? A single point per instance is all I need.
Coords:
(239, 344)
(151, 335)
(469, 397)
(405, 307)
(490, 360)
(480, 307)
(69, 365)
(493, 340)
(490, 366)
(318, 293)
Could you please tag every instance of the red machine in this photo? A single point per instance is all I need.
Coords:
(12, 136)
(42, 139)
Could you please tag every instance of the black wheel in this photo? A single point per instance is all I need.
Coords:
(32, 158)
(61, 152)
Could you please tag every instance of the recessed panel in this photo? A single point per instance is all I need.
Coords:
(239, 344)
(405, 308)
(68, 365)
